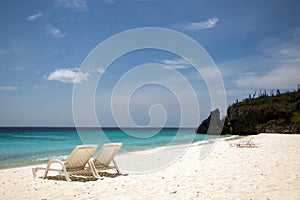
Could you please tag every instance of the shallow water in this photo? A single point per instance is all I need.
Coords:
(24, 146)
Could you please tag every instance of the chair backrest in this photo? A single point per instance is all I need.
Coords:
(80, 156)
(107, 153)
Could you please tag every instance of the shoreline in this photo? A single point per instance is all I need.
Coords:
(150, 149)
(44, 160)
(270, 171)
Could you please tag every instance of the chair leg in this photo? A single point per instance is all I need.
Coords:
(67, 176)
(66, 173)
(34, 172)
(117, 168)
(64, 170)
(46, 170)
(93, 169)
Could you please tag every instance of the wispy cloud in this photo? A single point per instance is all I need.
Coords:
(68, 75)
(176, 64)
(281, 77)
(281, 56)
(101, 70)
(110, 1)
(3, 52)
(40, 86)
(8, 88)
(196, 26)
(77, 5)
(19, 68)
(34, 17)
(130, 1)
(55, 32)
(8, 50)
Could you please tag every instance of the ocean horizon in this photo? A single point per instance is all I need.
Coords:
(20, 146)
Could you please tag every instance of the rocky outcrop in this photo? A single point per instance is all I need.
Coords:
(269, 114)
(260, 118)
(213, 125)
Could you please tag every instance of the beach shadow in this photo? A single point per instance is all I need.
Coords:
(85, 177)
(110, 175)
(73, 178)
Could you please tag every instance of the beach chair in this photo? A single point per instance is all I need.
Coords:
(75, 163)
(103, 160)
(244, 144)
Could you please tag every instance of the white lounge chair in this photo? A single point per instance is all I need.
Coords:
(104, 158)
(244, 144)
(76, 162)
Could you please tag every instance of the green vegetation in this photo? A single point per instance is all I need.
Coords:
(296, 117)
(264, 111)
(272, 122)
(265, 98)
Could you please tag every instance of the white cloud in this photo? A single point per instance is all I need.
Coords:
(196, 26)
(55, 32)
(34, 17)
(78, 5)
(40, 86)
(68, 75)
(210, 72)
(19, 68)
(101, 70)
(8, 50)
(176, 64)
(8, 88)
(234, 93)
(281, 77)
(280, 57)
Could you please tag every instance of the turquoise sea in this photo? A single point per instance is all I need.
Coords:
(32, 145)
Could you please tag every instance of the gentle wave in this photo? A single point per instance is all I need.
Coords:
(33, 147)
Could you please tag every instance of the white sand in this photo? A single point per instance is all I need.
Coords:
(271, 171)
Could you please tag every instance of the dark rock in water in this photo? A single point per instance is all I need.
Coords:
(213, 125)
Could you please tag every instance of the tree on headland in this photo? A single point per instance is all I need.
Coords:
(277, 92)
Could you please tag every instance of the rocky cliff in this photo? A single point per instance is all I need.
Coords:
(278, 113)
(213, 125)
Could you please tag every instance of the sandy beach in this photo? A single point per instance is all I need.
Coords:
(270, 171)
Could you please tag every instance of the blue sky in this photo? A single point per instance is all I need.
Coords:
(255, 45)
